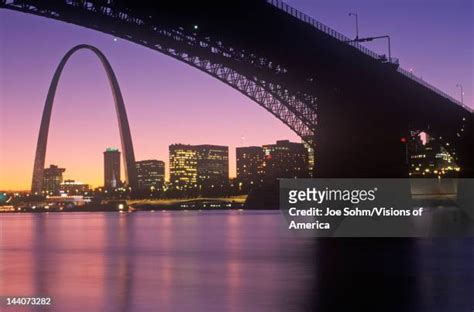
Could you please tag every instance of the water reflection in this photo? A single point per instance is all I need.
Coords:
(223, 261)
(158, 261)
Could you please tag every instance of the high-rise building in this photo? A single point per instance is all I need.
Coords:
(250, 165)
(183, 166)
(198, 166)
(286, 159)
(311, 157)
(52, 179)
(150, 174)
(111, 168)
(212, 166)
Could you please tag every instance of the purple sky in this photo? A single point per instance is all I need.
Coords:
(433, 37)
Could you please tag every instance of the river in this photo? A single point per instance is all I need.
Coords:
(222, 261)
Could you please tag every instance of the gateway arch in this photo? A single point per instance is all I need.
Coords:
(125, 136)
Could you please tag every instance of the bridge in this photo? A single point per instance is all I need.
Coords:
(353, 105)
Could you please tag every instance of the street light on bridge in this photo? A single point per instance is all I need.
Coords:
(462, 92)
(379, 37)
(357, 24)
(357, 39)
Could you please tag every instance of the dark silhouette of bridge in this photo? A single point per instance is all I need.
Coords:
(353, 105)
(125, 136)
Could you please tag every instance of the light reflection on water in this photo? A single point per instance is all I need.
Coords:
(223, 261)
(161, 261)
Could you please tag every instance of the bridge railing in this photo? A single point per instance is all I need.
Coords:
(335, 34)
(419, 80)
(320, 26)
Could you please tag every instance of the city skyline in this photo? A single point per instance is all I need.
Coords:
(183, 158)
(189, 114)
(204, 166)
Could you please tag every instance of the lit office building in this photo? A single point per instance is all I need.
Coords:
(198, 166)
(250, 165)
(212, 166)
(311, 158)
(183, 166)
(52, 179)
(286, 159)
(430, 159)
(111, 168)
(150, 174)
(73, 187)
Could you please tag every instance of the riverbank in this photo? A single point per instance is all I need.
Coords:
(222, 203)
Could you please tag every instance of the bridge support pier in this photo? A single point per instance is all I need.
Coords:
(351, 154)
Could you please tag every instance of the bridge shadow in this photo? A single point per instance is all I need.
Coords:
(394, 274)
(366, 275)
